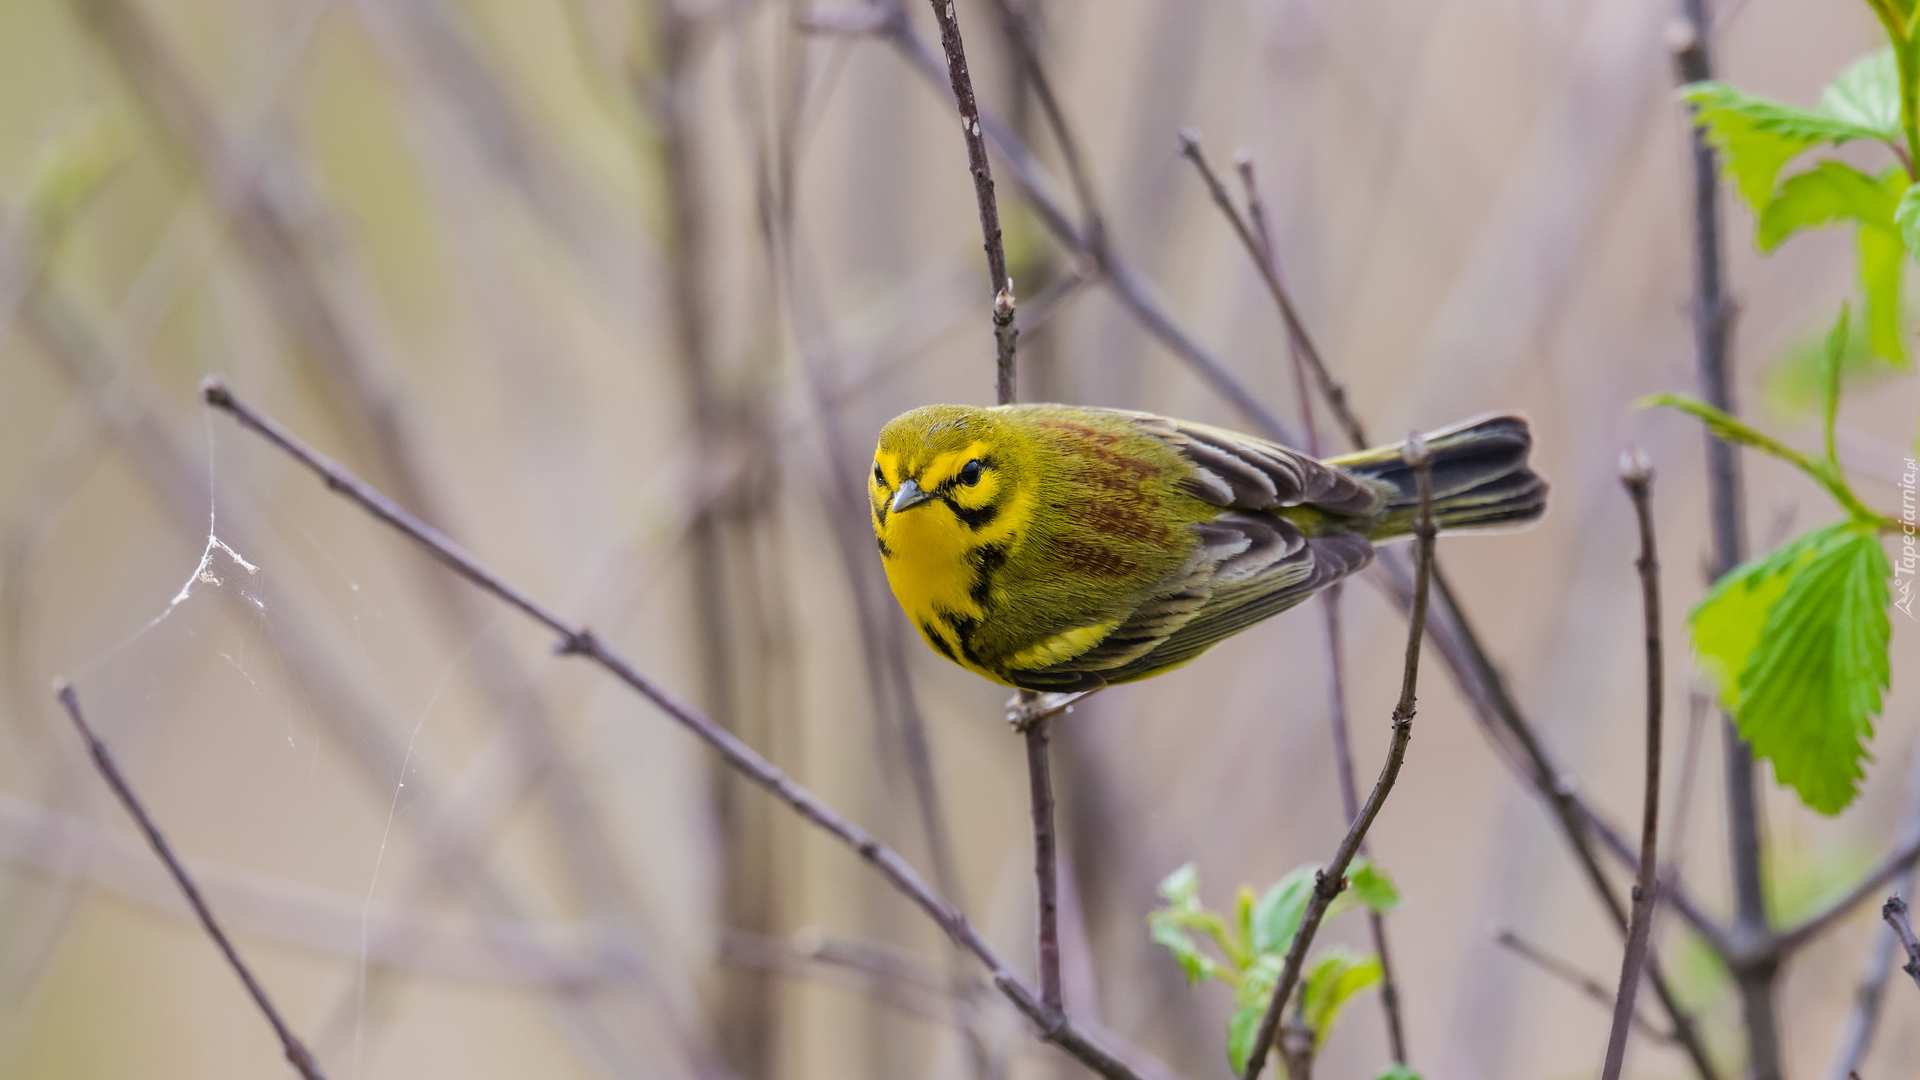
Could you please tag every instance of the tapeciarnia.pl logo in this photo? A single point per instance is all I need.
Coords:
(1903, 571)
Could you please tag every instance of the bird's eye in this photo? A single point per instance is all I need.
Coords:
(878, 476)
(970, 474)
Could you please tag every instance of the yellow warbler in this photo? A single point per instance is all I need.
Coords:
(1059, 548)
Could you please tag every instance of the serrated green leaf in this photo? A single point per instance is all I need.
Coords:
(1337, 975)
(1756, 136)
(1814, 681)
(1830, 192)
(1372, 886)
(1182, 887)
(1277, 914)
(1726, 622)
(1867, 96)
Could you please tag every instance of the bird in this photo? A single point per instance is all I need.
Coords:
(1063, 548)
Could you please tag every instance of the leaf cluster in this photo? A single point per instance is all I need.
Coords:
(1252, 945)
(1796, 640)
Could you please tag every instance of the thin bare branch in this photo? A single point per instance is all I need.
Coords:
(1331, 391)
(1330, 880)
(1574, 977)
(1637, 474)
(1053, 1024)
(296, 1051)
(1004, 331)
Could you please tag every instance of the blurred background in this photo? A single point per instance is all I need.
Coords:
(617, 294)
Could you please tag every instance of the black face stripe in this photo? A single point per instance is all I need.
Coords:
(885, 551)
(975, 518)
(987, 559)
(939, 641)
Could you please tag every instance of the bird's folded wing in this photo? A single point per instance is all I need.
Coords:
(1248, 473)
(1248, 566)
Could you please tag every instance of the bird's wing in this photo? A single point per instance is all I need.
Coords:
(1248, 566)
(1246, 473)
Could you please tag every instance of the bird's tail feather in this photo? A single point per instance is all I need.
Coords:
(1480, 477)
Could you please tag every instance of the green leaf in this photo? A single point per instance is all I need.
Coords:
(1835, 352)
(1277, 914)
(1397, 1071)
(1165, 929)
(1867, 96)
(1181, 889)
(1813, 683)
(1726, 622)
(1724, 426)
(1756, 136)
(1241, 1031)
(1372, 886)
(1883, 261)
(1907, 217)
(1251, 998)
(1796, 379)
(1830, 192)
(1337, 976)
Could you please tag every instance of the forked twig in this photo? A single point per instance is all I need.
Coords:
(296, 1051)
(1053, 1024)
(1330, 880)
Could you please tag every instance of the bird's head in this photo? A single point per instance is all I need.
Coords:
(945, 480)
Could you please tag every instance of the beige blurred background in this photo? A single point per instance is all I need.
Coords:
(617, 295)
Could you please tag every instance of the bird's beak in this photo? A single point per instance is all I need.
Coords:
(909, 495)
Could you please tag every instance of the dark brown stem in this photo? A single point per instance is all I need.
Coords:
(1712, 319)
(1134, 292)
(1894, 911)
(1054, 1025)
(1334, 394)
(1331, 879)
(1004, 331)
(1637, 475)
(1297, 351)
(296, 1050)
(1045, 868)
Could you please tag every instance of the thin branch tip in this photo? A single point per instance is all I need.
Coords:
(1416, 452)
(1636, 469)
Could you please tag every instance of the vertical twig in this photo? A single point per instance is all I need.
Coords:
(296, 1051)
(1298, 349)
(1637, 474)
(1894, 911)
(1027, 720)
(1331, 880)
(1712, 319)
(1003, 328)
(1046, 873)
